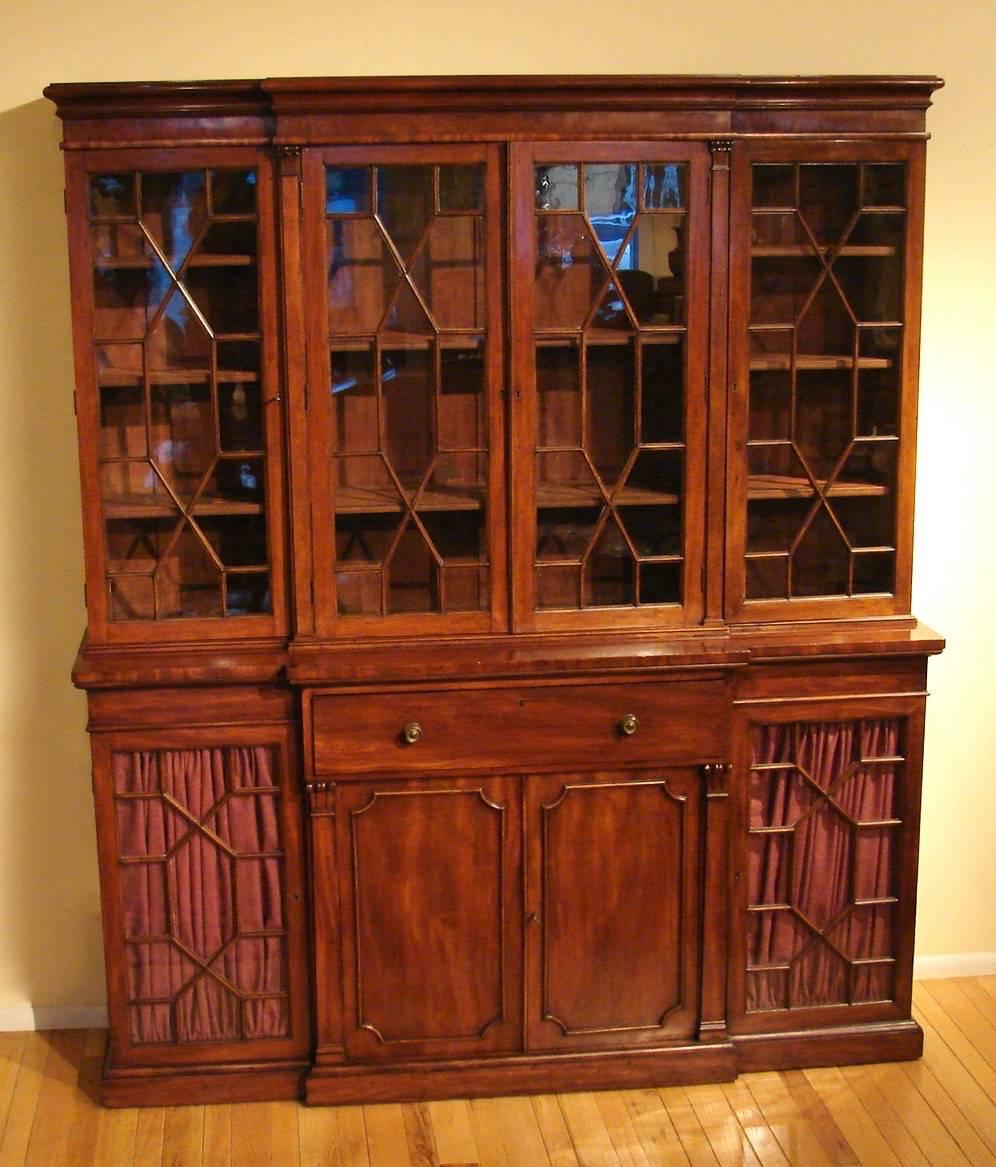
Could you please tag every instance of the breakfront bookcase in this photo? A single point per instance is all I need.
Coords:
(498, 497)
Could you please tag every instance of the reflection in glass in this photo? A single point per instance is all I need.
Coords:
(461, 188)
(347, 190)
(664, 186)
(557, 187)
(112, 196)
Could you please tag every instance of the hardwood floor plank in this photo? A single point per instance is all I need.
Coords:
(149, 1136)
(584, 1121)
(217, 1136)
(452, 1130)
(116, 1131)
(759, 1134)
(654, 1128)
(352, 1124)
(821, 1122)
(183, 1136)
(251, 1135)
(974, 1024)
(285, 1143)
(888, 1121)
(933, 1139)
(788, 1124)
(929, 1011)
(856, 1124)
(54, 1113)
(687, 1126)
(81, 1145)
(12, 1047)
(941, 1102)
(387, 1141)
(418, 1131)
(318, 1136)
(24, 1101)
(487, 1133)
(520, 1132)
(959, 1080)
(622, 1132)
(556, 1137)
(722, 1128)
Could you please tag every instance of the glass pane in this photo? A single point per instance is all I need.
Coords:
(188, 580)
(347, 190)
(664, 185)
(408, 388)
(558, 386)
(182, 433)
(405, 205)
(569, 272)
(462, 406)
(558, 587)
(660, 583)
(828, 198)
(449, 272)
(461, 188)
(652, 270)
(611, 408)
(175, 211)
(610, 203)
(361, 276)
(557, 187)
(884, 184)
(774, 186)
(662, 417)
(354, 401)
(412, 574)
(608, 575)
(233, 192)
(122, 422)
(112, 195)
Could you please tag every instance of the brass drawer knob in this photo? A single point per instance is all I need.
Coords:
(411, 732)
(629, 725)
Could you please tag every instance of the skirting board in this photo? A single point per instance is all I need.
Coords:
(53, 1017)
(926, 968)
(957, 964)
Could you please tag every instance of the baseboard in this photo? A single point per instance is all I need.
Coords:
(955, 964)
(53, 1017)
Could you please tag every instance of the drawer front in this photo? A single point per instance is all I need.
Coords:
(520, 727)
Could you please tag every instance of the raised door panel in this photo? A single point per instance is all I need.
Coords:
(431, 917)
(404, 317)
(827, 243)
(178, 402)
(610, 318)
(827, 822)
(613, 895)
(203, 906)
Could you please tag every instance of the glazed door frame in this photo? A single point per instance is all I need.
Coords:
(745, 153)
(79, 166)
(318, 577)
(281, 740)
(524, 157)
(909, 711)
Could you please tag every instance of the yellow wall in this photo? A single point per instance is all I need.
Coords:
(49, 916)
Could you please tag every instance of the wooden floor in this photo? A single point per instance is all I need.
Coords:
(940, 1112)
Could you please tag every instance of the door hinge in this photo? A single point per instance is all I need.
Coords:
(65, 201)
(86, 603)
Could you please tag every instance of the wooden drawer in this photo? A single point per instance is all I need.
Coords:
(520, 727)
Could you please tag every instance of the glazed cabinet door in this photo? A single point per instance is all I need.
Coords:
(827, 243)
(827, 820)
(172, 264)
(613, 892)
(431, 916)
(610, 319)
(402, 275)
(202, 896)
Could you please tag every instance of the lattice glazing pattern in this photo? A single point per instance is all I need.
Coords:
(406, 300)
(177, 357)
(826, 339)
(825, 800)
(609, 322)
(202, 880)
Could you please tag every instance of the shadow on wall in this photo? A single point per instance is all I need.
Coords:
(49, 906)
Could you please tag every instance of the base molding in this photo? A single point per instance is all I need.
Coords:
(895, 1041)
(194, 1085)
(954, 964)
(416, 1082)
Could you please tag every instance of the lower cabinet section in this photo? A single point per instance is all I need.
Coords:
(612, 922)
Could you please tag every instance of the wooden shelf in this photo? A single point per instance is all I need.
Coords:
(383, 500)
(776, 361)
(145, 262)
(806, 250)
(141, 506)
(405, 341)
(611, 337)
(112, 377)
(562, 495)
(778, 486)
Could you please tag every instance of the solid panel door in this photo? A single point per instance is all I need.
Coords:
(827, 824)
(406, 432)
(202, 894)
(610, 318)
(180, 427)
(432, 920)
(613, 893)
(827, 243)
